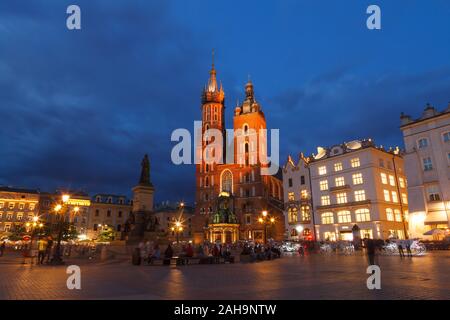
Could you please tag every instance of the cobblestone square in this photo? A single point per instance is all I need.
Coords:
(291, 277)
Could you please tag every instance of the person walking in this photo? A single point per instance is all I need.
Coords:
(2, 248)
(408, 248)
(400, 249)
(48, 250)
(42, 247)
(370, 248)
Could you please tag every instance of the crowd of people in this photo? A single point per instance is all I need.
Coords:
(259, 252)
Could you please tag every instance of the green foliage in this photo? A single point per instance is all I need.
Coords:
(17, 232)
(107, 234)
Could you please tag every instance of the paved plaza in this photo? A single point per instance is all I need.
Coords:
(291, 277)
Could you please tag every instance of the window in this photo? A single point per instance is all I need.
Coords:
(292, 215)
(339, 181)
(290, 182)
(97, 199)
(422, 143)
(11, 205)
(355, 162)
(119, 214)
(360, 195)
(401, 182)
(357, 178)
(381, 163)
(338, 166)
(108, 213)
(304, 194)
(306, 213)
(325, 200)
(387, 196)
(19, 216)
(446, 136)
(362, 215)
(291, 196)
(433, 193)
(383, 178)
(389, 214)
(109, 200)
(306, 232)
(394, 196)
(392, 180)
(227, 181)
(21, 206)
(7, 227)
(2, 205)
(97, 213)
(404, 198)
(9, 216)
(322, 170)
(248, 219)
(329, 236)
(323, 185)
(344, 216)
(302, 180)
(427, 164)
(327, 218)
(398, 215)
(31, 206)
(341, 197)
(366, 234)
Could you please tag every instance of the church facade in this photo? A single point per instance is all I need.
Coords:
(231, 197)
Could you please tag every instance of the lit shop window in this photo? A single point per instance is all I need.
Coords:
(362, 215)
(366, 234)
(323, 185)
(329, 236)
(325, 200)
(322, 170)
(339, 181)
(360, 195)
(341, 198)
(338, 166)
(357, 178)
(327, 218)
(355, 162)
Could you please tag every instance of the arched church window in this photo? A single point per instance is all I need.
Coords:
(246, 148)
(226, 182)
(206, 182)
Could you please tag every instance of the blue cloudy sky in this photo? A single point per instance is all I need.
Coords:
(80, 108)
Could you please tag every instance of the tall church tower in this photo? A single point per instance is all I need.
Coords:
(213, 117)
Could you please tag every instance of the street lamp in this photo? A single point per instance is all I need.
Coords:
(60, 207)
(266, 219)
(177, 229)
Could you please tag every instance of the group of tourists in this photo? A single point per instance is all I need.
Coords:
(259, 252)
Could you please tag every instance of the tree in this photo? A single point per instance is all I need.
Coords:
(107, 234)
(17, 232)
(69, 232)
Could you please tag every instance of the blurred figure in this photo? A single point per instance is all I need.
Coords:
(2, 248)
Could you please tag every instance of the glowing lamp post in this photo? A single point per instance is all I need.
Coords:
(266, 220)
(177, 229)
(60, 208)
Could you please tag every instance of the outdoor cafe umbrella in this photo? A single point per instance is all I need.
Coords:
(434, 231)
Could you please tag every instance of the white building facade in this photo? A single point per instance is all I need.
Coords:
(427, 166)
(358, 191)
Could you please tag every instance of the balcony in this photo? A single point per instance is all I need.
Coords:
(343, 205)
(340, 188)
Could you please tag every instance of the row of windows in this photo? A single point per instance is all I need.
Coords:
(354, 163)
(341, 197)
(392, 196)
(423, 142)
(19, 216)
(304, 195)
(345, 216)
(108, 213)
(21, 206)
(302, 181)
(357, 178)
(427, 163)
(385, 179)
(305, 216)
